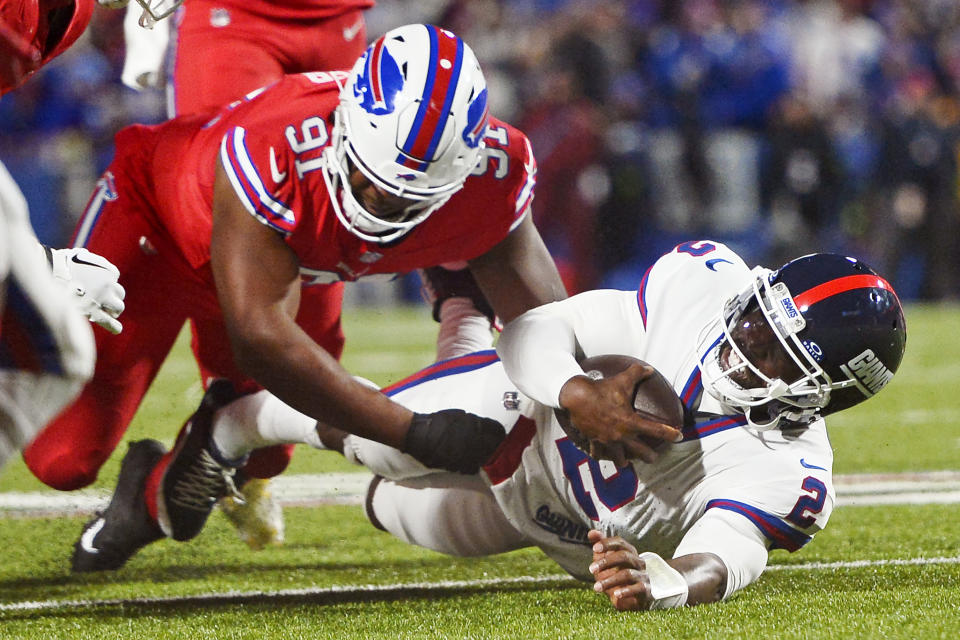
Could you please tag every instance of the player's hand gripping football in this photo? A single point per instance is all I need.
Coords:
(93, 280)
(603, 412)
(619, 573)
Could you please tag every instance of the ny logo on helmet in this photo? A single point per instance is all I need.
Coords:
(379, 81)
(477, 114)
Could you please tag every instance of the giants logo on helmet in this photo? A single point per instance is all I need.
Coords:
(869, 372)
(477, 116)
(379, 82)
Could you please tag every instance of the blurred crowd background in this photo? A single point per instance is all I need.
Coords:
(778, 126)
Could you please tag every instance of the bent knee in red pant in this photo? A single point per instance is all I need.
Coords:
(64, 470)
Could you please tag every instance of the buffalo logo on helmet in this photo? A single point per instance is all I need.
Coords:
(379, 81)
(477, 116)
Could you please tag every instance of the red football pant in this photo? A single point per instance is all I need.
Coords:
(214, 65)
(163, 291)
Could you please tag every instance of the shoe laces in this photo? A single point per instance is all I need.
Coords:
(205, 482)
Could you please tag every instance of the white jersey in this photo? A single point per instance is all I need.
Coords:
(779, 481)
(774, 486)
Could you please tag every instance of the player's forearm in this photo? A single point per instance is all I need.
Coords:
(706, 577)
(537, 350)
(299, 372)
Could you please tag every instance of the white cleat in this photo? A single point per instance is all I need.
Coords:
(258, 517)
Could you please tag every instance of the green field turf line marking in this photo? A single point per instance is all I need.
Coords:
(239, 597)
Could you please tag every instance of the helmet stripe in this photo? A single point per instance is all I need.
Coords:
(373, 67)
(438, 92)
(839, 285)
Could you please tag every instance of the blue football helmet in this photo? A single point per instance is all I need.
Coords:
(840, 323)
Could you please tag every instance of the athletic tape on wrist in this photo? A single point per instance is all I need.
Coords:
(667, 585)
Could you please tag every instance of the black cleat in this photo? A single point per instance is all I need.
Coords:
(196, 476)
(125, 526)
(440, 284)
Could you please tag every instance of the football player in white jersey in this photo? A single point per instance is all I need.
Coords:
(46, 346)
(758, 357)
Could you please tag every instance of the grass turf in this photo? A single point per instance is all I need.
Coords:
(337, 577)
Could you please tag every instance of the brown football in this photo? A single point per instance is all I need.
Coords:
(654, 398)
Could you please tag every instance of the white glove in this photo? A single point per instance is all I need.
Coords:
(93, 279)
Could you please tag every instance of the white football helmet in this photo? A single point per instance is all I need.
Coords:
(411, 118)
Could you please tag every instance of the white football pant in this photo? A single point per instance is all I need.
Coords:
(447, 512)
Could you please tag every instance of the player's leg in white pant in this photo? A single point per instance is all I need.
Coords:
(48, 352)
(446, 512)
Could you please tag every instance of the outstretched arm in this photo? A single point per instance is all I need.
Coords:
(637, 582)
(258, 285)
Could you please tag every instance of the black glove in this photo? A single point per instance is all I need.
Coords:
(453, 439)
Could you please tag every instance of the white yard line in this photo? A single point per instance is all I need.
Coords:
(937, 487)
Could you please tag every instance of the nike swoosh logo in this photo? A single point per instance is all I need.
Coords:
(349, 33)
(86, 540)
(275, 172)
(712, 263)
(807, 465)
(74, 258)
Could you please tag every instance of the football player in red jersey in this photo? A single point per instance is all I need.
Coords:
(239, 221)
(224, 49)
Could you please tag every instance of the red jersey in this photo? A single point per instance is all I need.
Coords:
(270, 145)
(25, 28)
(297, 9)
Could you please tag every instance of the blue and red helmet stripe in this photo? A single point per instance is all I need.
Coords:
(373, 69)
(443, 75)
